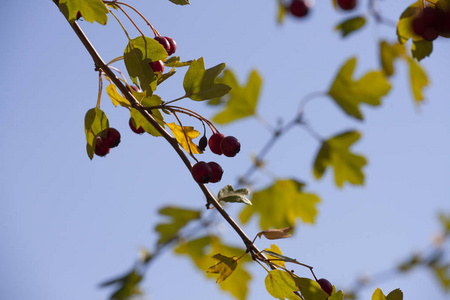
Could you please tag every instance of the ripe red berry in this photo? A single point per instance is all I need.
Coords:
(100, 148)
(111, 137)
(325, 285)
(164, 42)
(216, 172)
(157, 66)
(347, 4)
(173, 45)
(201, 172)
(132, 124)
(214, 143)
(133, 88)
(230, 146)
(299, 8)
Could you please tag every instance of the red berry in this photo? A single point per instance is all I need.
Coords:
(427, 24)
(216, 172)
(201, 172)
(100, 148)
(230, 146)
(164, 42)
(133, 88)
(173, 45)
(111, 137)
(347, 4)
(325, 285)
(157, 66)
(214, 143)
(299, 8)
(132, 124)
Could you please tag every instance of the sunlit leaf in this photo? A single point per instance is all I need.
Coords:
(395, 295)
(93, 10)
(419, 80)
(116, 98)
(335, 153)
(378, 295)
(95, 121)
(184, 137)
(310, 289)
(388, 53)
(241, 100)
(350, 25)
(348, 93)
(274, 249)
(279, 205)
(228, 194)
(178, 218)
(224, 267)
(200, 84)
(275, 234)
(281, 285)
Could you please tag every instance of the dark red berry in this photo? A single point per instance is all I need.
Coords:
(214, 143)
(132, 124)
(111, 137)
(157, 66)
(100, 148)
(201, 172)
(173, 45)
(203, 143)
(216, 172)
(164, 42)
(325, 285)
(133, 88)
(347, 4)
(299, 8)
(230, 146)
(428, 23)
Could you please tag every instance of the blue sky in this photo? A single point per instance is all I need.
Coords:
(68, 223)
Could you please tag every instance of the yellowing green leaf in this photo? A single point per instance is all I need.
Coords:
(224, 267)
(335, 152)
(280, 205)
(242, 100)
(95, 122)
(348, 93)
(310, 289)
(419, 80)
(141, 121)
(378, 295)
(92, 10)
(281, 285)
(350, 25)
(200, 84)
(275, 249)
(184, 137)
(179, 217)
(388, 53)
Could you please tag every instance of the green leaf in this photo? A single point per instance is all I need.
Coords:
(281, 285)
(141, 121)
(421, 49)
(242, 100)
(335, 152)
(350, 25)
(92, 10)
(174, 62)
(388, 53)
(137, 56)
(127, 285)
(178, 218)
(395, 295)
(337, 296)
(279, 205)
(378, 295)
(419, 80)
(310, 289)
(228, 194)
(200, 84)
(348, 94)
(95, 121)
(180, 2)
(224, 267)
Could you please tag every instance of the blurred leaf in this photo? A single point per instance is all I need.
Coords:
(410, 263)
(421, 49)
(200, 84)
(127, 285)
(335, 4)
(378, 295)
(279, 205)
(116, 98)
(242, 99)
(95, 121)
(141, 121)
(137, 56)
(310, 289)
(338, 296)
(228, 194)
(178, 218)
(442, 273)
(348, 93)
(350, 25)
(395, 295)
(93, 10)
(445, 221)
(275, 234)
(281, 12)
(388, 53)
(224, 267)
(180, 2)
(335, 152)
(274, 249)
(281, 285)
(184, 137)
(419, 80)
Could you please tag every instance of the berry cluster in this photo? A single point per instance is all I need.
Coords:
(169, 44)
(107, 139)
(432, 22)
(204, 172)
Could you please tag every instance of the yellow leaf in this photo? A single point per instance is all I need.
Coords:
(224, 267)
(276, 249)
(184, 137)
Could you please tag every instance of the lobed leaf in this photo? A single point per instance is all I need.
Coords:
(350, 25)
(228, 194)
(178, 218)
(281, 285)
(95, 121)
(93, 10)
(224, 267)
(184, 137)
(388, 53)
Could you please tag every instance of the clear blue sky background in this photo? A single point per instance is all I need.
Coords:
(68, 223)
